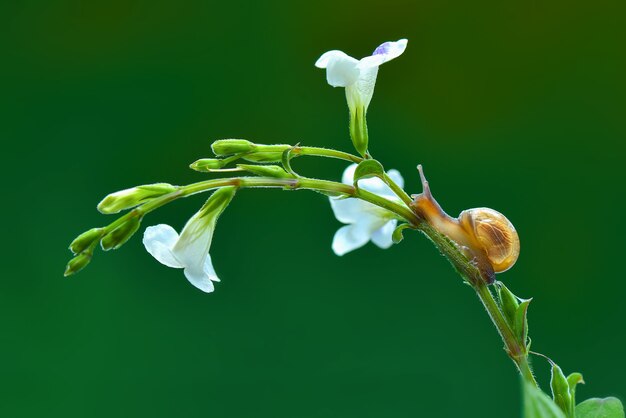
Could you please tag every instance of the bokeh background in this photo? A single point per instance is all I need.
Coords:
(515, 105)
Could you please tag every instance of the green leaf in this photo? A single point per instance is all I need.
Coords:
(539, 405)
(397, 236)
(600, 408)
(561, 391)
(521, 321)
(367, 169)
(573, 380)
(508, 302)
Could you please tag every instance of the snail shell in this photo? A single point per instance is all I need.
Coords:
(495, 234)
(484, 235)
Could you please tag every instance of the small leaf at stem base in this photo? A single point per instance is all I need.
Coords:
(600, 408)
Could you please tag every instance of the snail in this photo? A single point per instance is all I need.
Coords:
(486, 237)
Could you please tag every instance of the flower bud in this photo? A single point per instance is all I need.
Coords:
(118, 237)
(267, 153)
(77, 263)
(84, 240)
(266, 170)
(205, 165)
(224, 147)
(129, 198)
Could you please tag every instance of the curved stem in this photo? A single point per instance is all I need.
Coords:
(399, 191)
(331, 153)
(268, 182)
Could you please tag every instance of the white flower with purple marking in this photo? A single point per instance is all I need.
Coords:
(190, 250)
(359, 79)
(358, 76)
(364, 220)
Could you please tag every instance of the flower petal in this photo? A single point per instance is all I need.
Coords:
(192, 248)
(396, 177)
(341, 69)
(208, 269)
(159, 241)
(348, 238)
(199, 279)
(347, 210)
(348, 174)
(322, 62)
(360, 94)
(382, 236)
(391, 50)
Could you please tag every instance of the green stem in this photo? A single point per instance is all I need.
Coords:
(399, 191)
(514, 349)
(267, 182)
(325, 152)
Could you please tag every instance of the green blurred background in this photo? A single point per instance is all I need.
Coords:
(515, 105)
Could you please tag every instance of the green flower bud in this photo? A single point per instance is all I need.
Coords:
(205, 165)
(84, 240)
(267, 153)
(224, 147)
(266, 170)
(129, 198)
(118, 237)
(77, 263)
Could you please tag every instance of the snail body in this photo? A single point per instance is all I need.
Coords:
(485, 236)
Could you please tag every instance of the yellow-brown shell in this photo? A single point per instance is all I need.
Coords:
(495, 234)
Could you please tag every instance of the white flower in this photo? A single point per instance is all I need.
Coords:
(365, 221)
(358, 76)
(190, 250)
